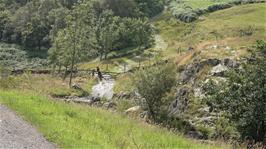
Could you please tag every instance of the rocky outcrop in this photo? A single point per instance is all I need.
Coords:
(220, 66)
(219, 70)
(190, 72)
(230, 63)
(179, 105)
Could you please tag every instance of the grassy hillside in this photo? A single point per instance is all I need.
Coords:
(195, 4)
(204, 3)
(77, 126)
(230, 27)
(235, 28)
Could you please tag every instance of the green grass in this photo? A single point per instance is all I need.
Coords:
(204, 3)
(77, 126)
(227, 23)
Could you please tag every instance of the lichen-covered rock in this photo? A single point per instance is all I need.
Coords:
(219, 70)
(190, 72)
(230, 63)
(179, 105)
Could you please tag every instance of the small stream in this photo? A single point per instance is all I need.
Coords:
(104, 89)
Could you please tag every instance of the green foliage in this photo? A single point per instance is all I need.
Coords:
(134, 8)
(224, 129)
(153, 84)
(14, 57)
(243, 95)
(150, 7)
(107, 32)
(34, 24)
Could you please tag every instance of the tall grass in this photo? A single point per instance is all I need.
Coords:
(77, 126)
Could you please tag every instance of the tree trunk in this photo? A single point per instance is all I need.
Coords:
(64, 78)
(39, 45)
(59, 69)
(1, 35)
(53, 70)
(150, 109)
(105, 56)
(72, 65)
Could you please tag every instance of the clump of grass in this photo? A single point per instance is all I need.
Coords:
(79, 126)
(124, 104)
(60, 92)
(124, 83)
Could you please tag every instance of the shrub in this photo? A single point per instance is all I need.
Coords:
(185, 14)
(14, 57)
(224, 129)
(243, 96)
(152, 84)
(218, 7)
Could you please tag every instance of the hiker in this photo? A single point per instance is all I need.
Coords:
(100, 76)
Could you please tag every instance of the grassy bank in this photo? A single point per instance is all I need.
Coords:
(76, 126)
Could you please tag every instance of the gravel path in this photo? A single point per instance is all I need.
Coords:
(15, 133)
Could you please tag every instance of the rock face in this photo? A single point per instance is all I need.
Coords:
(230, 63)
(190, 72)
(203, 116)
(180, 104)
(212, 62)
(193, 69)
(219, 70)
(220, 66)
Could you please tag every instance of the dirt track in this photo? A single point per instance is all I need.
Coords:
(15, 133)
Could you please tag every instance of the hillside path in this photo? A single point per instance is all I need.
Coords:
(15, 133)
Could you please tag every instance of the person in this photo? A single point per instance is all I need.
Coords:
(100, 76)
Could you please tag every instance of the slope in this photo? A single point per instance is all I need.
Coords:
(77, 126)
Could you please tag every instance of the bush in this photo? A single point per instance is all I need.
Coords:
(243, 96)
(224, 129)
(14, 57)
(153, 84)
(218, 7)
(185, 14)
